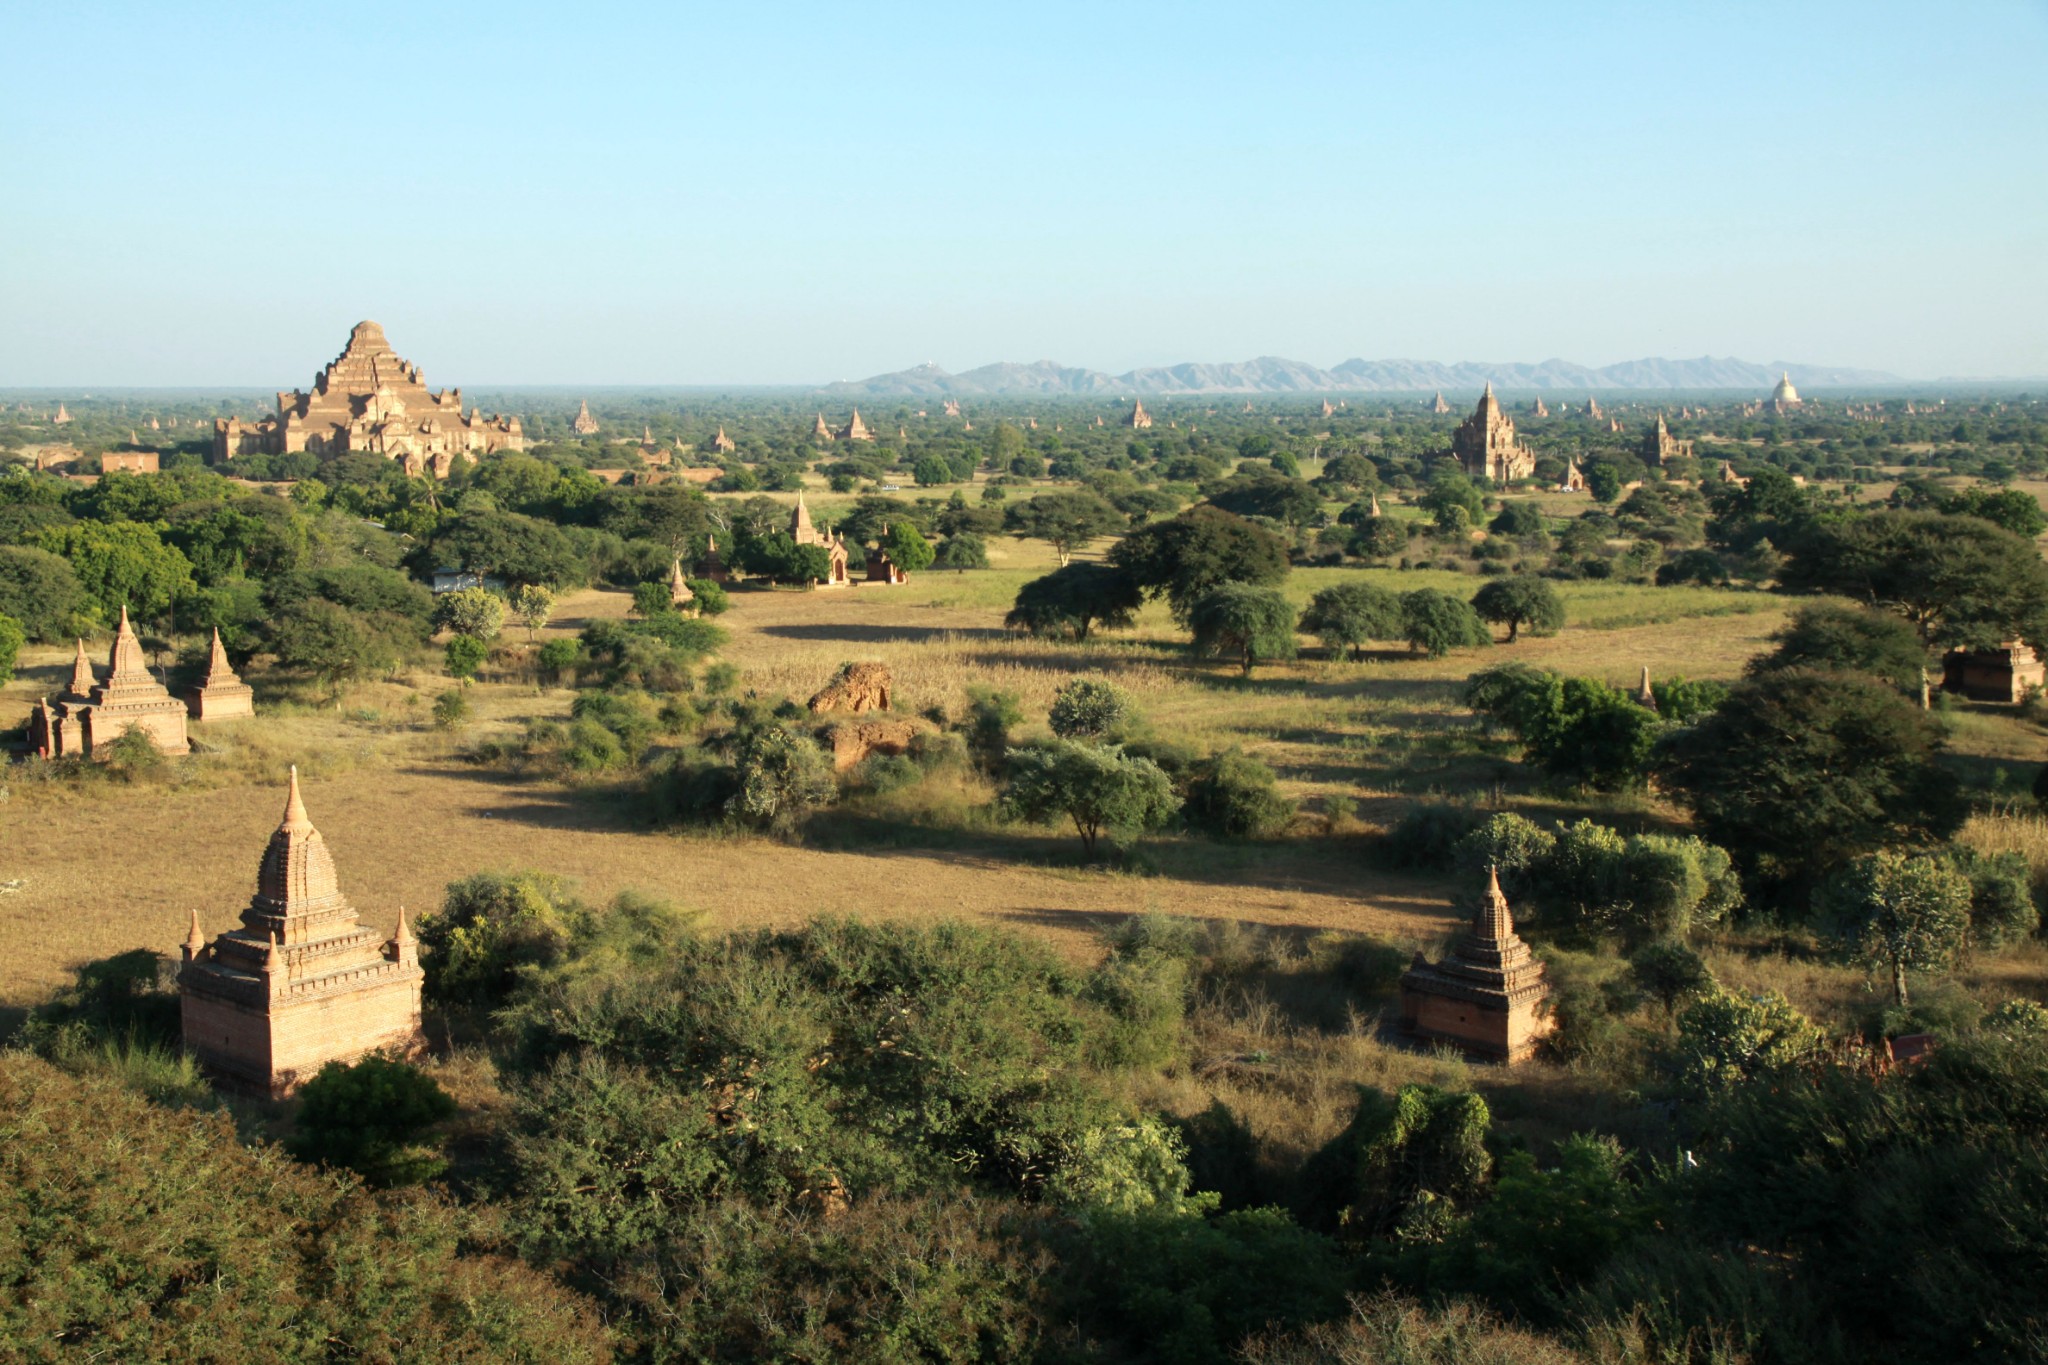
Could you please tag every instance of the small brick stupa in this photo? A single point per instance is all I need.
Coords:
(679, 594)
(1489, 996)
(300, 983)
(221, 694)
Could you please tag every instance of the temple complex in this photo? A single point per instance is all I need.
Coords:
(585, 424)
(1138, 419)
(1659, 445)
(62, 418)
(1785, 398)
(855, 430)
(1439, 406)
(711, 568)
(1488, 996)
(1537, 409)
(88, 715)
(300, 983)
(221, 694)
(804, 533)
(1592, 407)
(1485, 444)
(723, 444)
(819, 430)
(370, 400)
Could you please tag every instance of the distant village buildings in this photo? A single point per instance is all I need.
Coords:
(370, 400)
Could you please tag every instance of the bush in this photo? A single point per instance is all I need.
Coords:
(12, 638)
(465, 655)
(1427, 836)
(1090, 708)
(1230, 796)
(492, 927)
(780, 777)
(710, 598)
(2002, 909)
(369, 1117)
(451, 710)
(1101, 789)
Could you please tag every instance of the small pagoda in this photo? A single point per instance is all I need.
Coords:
(300, 983)
(221, 694)
(1489, 996)
(679, 594)
(89, 715)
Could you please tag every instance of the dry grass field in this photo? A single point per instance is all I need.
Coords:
(101, 869)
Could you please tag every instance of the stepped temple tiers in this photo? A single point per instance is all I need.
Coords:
(1488, 996)
(1138, 419)
(855, 430)
(585, 424)
(221, 694)
(1485, 444)
(723, 444)
(300, 983)
(1660, 446)
(89, 715)
(1439, 407)
(370, 400)
(804, 533)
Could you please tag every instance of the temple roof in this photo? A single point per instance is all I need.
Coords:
(297, 869)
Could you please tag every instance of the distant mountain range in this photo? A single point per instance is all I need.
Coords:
(1271, 374)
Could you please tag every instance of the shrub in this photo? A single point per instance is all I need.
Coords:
(465, 655)
(1100, 788)
(12, 637)
(369, 1117)
(1726, 1039)
(1514, 844)
(2002, 909)
(1348, 615)
(1090, 708)
(1427, 836)
(490, 928)
(451, 710)
(1230, 796)
(1435, 623)
(780, 777)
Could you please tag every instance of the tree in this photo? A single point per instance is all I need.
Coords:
(1521, 600)
(122, 563)
(1603, 481)
(1847, 640)
(961, 551)
(333, 644)
(1230, 796)
(1579, 731)
(711, 598)
(1349, 614)
(1726, 1039)
(1075, 599)
(930, 471)
(369, 1117)
(1898, 911)
(1237, 620)
(907, 547)
(464, 655)
(1348, 474)
(1521, 518)
(1801, 771)
(1959, 581)
(1091, 709)
(1453, 490)
(503, 545)
(2017, 510)
(1099, 787)
(1066, 520)
(12, 637)
(1435, 623)
(1186, 557)
(533, 605)
(1269, 495)
(990, 717)
(490, 930)
(40, 591)
(1669, 971)
(1378, 538)
(651, 599)
(476, 612)
(782, 777)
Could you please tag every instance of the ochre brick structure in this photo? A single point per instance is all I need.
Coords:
(854, 430)
(1659, 446)
(585, 424)
(679, 594)
(2004, 674)
(129, 462)
(368, 399)
(1485, 443)
(221, 694)
(804, 533)
(88, 715)
(300, 983)
(1489, 996)
(1138, 419)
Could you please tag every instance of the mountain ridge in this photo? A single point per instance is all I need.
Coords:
(1276, 374)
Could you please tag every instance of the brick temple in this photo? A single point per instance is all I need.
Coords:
(89, 714)
(300, 982)
(1485, 444)
(370, 400)
(1488, 995)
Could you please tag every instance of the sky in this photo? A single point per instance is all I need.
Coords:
(615, 194)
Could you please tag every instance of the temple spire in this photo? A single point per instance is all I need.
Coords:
(1494, 921)
(81, 673)
(195, 939)
(295, 821)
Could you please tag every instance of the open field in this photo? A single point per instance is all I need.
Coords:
(107, 868)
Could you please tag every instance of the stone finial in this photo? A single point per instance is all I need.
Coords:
(295, 821)
(405, 945)
(1643, 693)
(1494, 922)
(81, 673)
(195, 939)
(273, 962)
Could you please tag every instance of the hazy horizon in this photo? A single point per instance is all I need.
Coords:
(647, 197)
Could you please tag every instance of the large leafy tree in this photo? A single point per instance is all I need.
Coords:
(1435, 623)
(1241, 622)
(1075, 599)
(1958, 581)
(1066, 520)
(334, 645)
(1186, 557)
(1100, 788)
(12, 637)
(39, 590)
(122, 563)
(1273, 496)
(1349, 614)
(504, 545)
(1847, 640)
(1800, 771)
(1522, 600)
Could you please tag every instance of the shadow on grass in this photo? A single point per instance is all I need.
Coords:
(854, 633)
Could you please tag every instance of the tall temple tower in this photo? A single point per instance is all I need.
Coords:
(1488, 996)
(1485, 444)
(300, 983)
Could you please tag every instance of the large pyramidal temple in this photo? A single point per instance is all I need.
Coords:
(370, 400)
(1485, 443)
(300, 983)
(90, 714)
(1488, 996)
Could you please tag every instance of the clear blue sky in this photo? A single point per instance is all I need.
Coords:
(755, 193)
